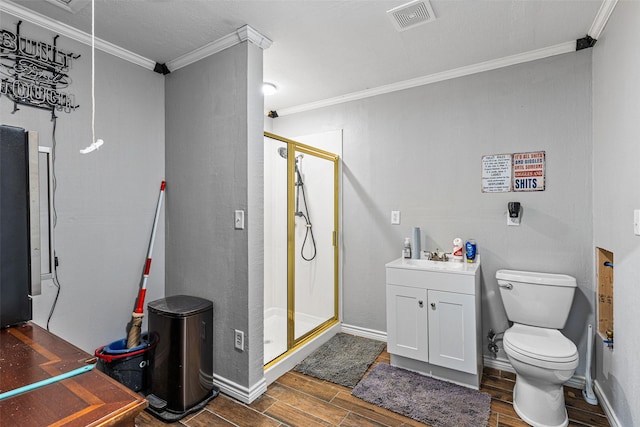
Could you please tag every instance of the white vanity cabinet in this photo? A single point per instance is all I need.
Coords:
(433, 319)
(407, 322)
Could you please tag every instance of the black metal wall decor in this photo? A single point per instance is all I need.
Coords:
(34, 73)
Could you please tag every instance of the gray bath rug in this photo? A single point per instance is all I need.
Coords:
(428, 400)
(342, 360)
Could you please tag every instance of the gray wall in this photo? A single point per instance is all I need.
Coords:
(616, 109)
(419, 151)
(105, 200)
(214, 166)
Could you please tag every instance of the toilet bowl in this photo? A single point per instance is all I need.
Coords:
(538, 305)
(543, 359)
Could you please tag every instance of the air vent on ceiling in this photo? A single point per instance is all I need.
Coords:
(412, 14)
(70, 5)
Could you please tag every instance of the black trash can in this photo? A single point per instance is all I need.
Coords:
(182, 377)
(131, 367)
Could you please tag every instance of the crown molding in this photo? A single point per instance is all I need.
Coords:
(249, 33)
(437, 77)
(74, 34)
(242, 34)
(602, 17)
(599, 22)
(71, 6)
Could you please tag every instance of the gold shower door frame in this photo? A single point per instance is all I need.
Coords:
(297, 147)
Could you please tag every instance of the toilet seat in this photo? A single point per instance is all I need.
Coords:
(546, 348)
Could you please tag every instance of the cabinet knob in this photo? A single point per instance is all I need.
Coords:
(420, 303)
(433, 305)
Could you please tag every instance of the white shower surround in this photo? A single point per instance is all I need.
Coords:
(309, 296)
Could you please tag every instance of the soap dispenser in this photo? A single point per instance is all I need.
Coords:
(406, 251)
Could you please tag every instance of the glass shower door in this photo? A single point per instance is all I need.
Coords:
(275, 249)
(313, 247)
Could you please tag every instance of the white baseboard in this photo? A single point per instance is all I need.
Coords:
(606, 405)
(497, 363)
(575, 381)
(364, 332)
(241, 393)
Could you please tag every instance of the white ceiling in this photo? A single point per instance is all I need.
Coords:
(325, 49)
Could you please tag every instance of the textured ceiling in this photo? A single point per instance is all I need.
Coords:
(324, 48)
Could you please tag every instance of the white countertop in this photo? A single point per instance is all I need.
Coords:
(455, 267)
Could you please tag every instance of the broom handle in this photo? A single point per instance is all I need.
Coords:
(147, 265)
(48, 381)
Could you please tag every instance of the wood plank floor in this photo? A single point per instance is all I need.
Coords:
(302, 401)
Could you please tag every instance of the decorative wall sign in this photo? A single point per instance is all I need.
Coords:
(496, 173)
(529, 171)
(33, 73)
(502, 173)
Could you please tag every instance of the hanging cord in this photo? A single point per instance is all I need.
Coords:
(54, 213)
(307, 218)
(95, 143)
(93, 72)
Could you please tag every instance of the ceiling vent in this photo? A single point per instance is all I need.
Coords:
(411, 15)
(70, 5)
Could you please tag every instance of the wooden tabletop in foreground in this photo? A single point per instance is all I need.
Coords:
(28, 354)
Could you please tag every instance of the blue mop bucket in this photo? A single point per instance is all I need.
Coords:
(131, 367)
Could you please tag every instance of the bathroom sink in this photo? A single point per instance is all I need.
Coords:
(425, 264)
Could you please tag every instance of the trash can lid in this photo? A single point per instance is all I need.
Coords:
(180, 305)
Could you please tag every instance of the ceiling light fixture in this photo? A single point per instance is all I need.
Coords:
(269, 88)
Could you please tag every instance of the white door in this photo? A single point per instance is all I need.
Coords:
(452, 332)
(407, 322)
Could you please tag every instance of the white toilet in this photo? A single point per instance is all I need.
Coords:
(538, 304)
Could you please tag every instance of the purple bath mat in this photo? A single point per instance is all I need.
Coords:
(425, 399)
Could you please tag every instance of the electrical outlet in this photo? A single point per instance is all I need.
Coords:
(239, 340)
(513, 221)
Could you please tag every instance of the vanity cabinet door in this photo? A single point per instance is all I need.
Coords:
(407, 322)
(452, 331)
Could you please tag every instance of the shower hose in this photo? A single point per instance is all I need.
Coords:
(308, 235)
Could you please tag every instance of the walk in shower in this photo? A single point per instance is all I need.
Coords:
(300, 244)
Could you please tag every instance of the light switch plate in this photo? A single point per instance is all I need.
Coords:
(239, 220)
(636, 222)
(395, 217)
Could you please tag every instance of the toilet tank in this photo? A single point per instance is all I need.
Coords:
(536, 299)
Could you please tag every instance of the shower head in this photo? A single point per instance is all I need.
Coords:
(283, 151)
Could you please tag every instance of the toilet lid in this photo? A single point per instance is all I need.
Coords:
(540, 343)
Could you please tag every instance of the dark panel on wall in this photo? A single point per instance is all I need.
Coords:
(15, 305)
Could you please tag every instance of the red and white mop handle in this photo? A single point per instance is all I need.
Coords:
(147, 265)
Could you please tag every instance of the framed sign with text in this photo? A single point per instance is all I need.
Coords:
(529, 171)
(496, 173)
(519, 172)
